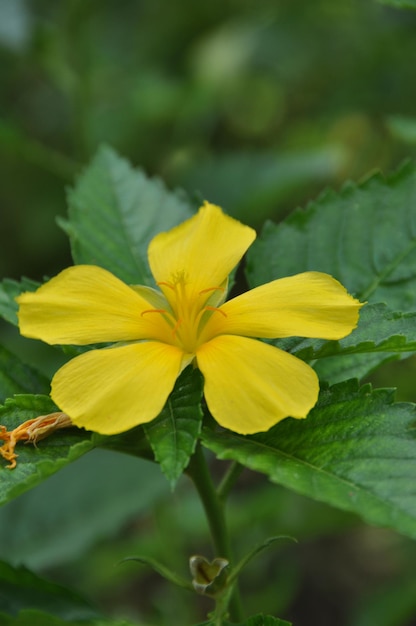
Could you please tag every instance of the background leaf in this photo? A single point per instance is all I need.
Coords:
(20, 589)
(17, 377)
(356, 451)
(174, 433)
(114, 211)
(40, 618)
(36, 463)
(264, 178)
(365, 236)
(400, 4)
(256, 620)
(9, 289)
(84, 502)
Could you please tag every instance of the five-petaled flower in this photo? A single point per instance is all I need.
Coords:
(249, 385)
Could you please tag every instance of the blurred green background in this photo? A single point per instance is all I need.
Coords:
(253, 104)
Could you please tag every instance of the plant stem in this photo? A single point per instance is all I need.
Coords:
(231, 475)
(214, 510)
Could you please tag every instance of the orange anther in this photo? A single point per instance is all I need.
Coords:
(30, 431)
(211, 289)
(152, 311)
(175, 328)
(166, 285)
(215, 308)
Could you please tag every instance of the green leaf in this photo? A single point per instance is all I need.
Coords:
(264, 178)
(365, 236)
(9, 289)
(162, 570)
(382, 335)
(114, 211)
(388, 604)
(16, 377)
(399, 4)
(355, 451)
(391, 604)
(35, 463)
(256, 620)
(254, 552)
(30, 617)
(20, 589)
(174, 433)
(103, 491)
(402, 127)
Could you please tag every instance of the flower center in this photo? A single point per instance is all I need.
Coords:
(186, 312)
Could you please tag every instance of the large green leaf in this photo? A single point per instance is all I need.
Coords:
(114, 211)
(21, 589)
(35, 463)
(355, 451)
(17, 377)
(9, 289)
(379, 330)
(365, 236)
(381, 335)
(83, 502)
(174, 433)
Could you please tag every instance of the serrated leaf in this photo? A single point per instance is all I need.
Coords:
(379, 330)
(9, 289)
(365, 236)
(359, 366)
(114, 211)
(174, 433)
(355, 451)
(382, 335)
(21, 589)
(35, 463)
(17, 377)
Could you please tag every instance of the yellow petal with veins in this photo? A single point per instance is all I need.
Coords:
(112, 390)
(201, 252)
(311, 304)
(250, 386)
(86, 304)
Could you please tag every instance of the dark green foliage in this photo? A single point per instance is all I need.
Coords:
(356, 451)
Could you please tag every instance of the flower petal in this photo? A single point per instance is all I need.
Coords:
(250, 385)
(203, 249)
(86, 304)
(114, 389)
(311, 304)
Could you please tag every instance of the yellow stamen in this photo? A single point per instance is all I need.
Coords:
(30, 431)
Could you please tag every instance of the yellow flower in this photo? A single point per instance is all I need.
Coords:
(249, 385)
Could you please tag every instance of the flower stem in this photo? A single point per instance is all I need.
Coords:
(229, 479)
(214, 510)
